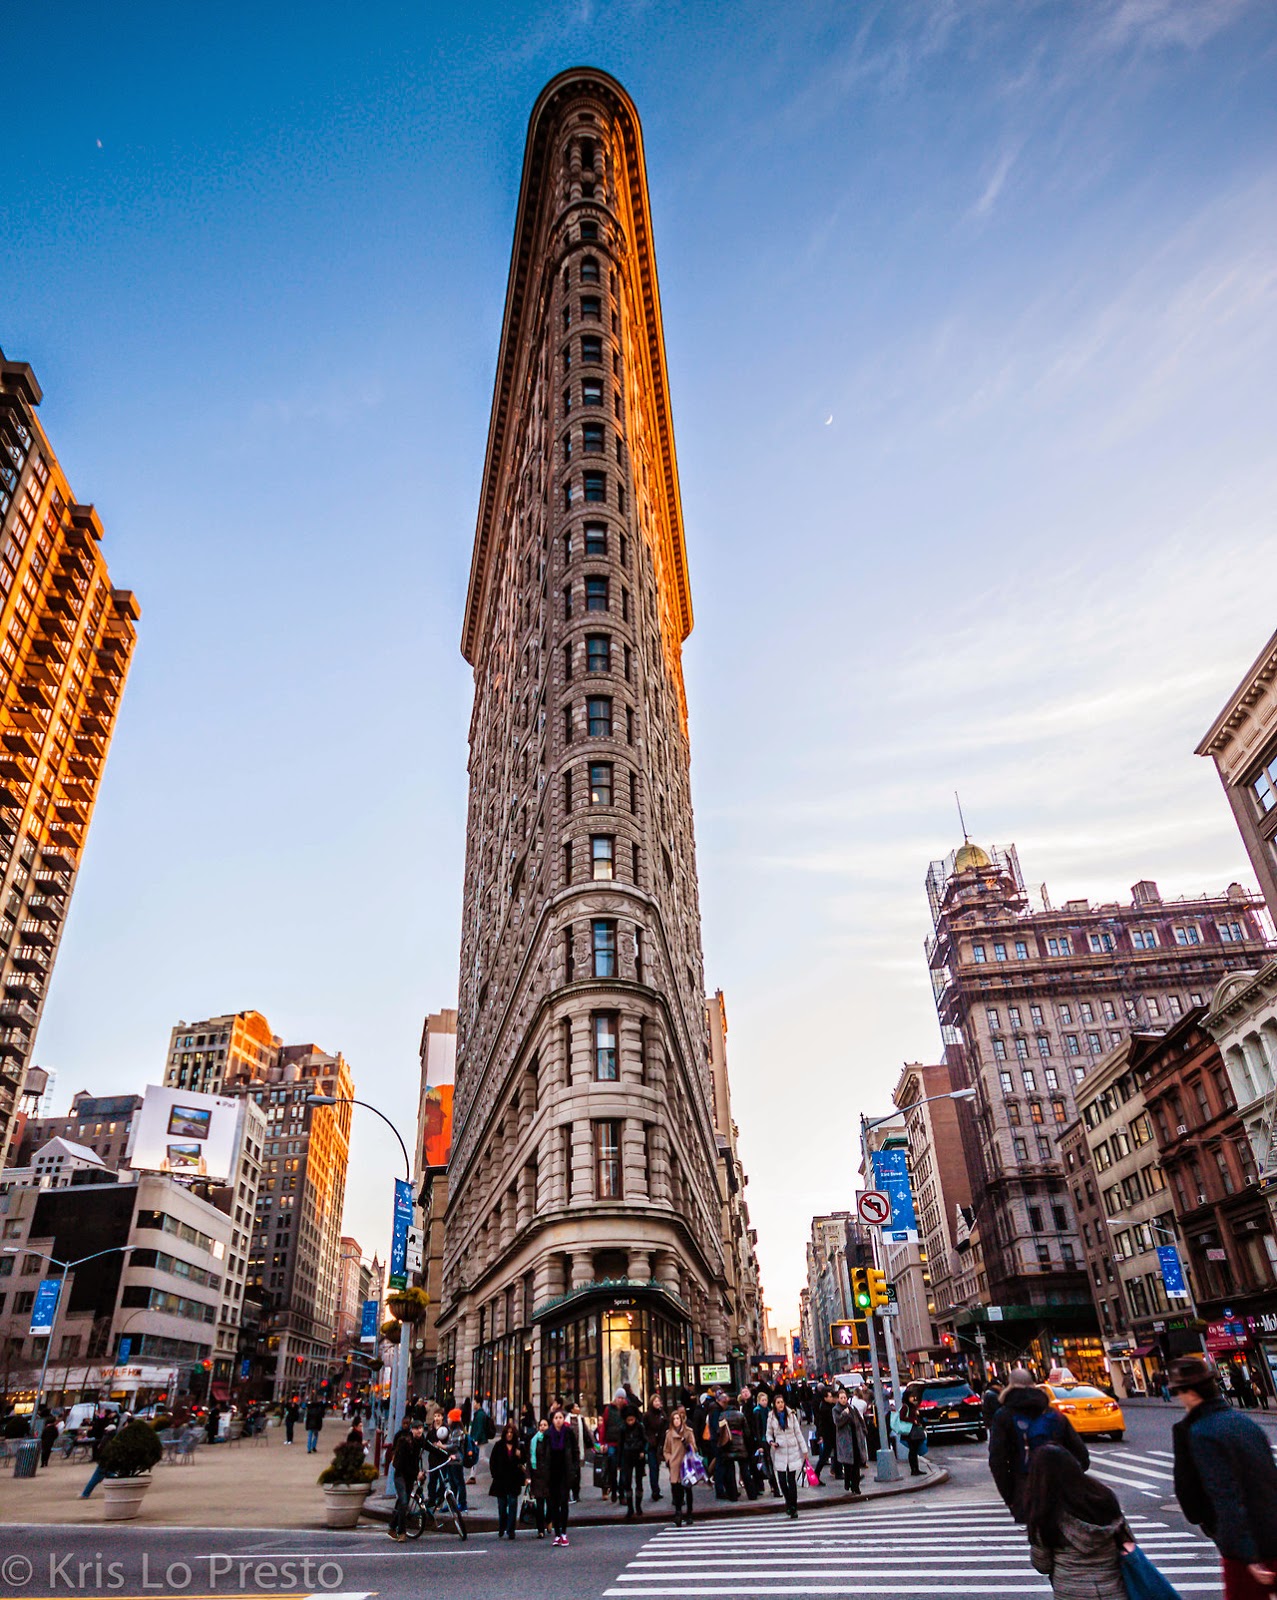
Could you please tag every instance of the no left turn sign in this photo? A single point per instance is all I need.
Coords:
(873, 1207)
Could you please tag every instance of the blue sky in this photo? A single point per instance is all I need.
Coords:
(969, 311)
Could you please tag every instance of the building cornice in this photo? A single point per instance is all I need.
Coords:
(1258, 681)
(521, 299)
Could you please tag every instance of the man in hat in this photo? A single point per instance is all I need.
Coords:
(1225, 1480)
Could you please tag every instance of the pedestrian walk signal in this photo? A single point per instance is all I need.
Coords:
(851, 1333)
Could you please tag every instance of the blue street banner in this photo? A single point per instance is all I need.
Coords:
(45, 1307)
(245, 1366)
(368, 1325)
(398, 1278)
(891, 1175)
(126, 1349)
(1172, 1270)
(798, 1347)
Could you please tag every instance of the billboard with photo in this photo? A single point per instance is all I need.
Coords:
(185, 1134)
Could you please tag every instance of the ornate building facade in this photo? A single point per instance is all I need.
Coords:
(583, 1244)
(1029, 999)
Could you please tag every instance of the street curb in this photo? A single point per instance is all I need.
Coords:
(483, 1522)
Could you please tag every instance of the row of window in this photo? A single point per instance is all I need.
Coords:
(593, 442)
(1086, 1013)
(1072, 1046)
(593, 393)
(603, 861)
(1184, 934)
(1050, 1076)
(594, 490)
(595, 543)
(1037, 1113)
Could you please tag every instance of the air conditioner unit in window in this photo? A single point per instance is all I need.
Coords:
(1201, 1199)
(1181, 1127)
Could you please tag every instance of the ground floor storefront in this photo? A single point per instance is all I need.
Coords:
(604, 1344)
(993, 1339)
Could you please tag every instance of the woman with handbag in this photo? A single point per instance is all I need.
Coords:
(1077, 1533)
(788, 1446)
(850, 1444)
(680, 1451)
(909, 1426)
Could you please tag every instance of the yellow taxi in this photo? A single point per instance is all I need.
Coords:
(1089, 1410)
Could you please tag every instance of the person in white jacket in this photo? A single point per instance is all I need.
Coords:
(788, 1445)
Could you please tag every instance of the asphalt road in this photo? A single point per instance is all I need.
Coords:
(956, 1540)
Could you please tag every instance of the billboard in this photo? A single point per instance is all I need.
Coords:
(436, 1121)
(186, 1135)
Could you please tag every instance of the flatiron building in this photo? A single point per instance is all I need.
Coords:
(583, 1225)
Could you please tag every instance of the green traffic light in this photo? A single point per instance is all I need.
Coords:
(863, 1301)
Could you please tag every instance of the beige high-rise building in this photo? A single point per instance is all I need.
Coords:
(583, 1244)
(66, 638)
(209, 1055)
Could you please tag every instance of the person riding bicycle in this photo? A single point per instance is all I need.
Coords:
(405, 1459)
(435, 1461)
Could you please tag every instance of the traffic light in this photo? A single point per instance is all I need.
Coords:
(877, 1285)
(861, 1297)
(207, 1365)
(851, 1333)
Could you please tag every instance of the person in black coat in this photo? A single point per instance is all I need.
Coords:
(991, 1404)
(509, 1461)
(1225, 1479)
(314, 1422)
(1024, 1422)
(826, 1431)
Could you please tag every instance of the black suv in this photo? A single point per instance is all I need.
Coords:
(951, 1405)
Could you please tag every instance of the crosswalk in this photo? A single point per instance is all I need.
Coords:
(905, 1550)
(1150, 1471)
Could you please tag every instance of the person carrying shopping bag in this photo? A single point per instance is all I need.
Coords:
(679, 1448)
(788, 1445)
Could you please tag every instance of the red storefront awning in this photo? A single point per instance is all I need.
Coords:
(220, 1391)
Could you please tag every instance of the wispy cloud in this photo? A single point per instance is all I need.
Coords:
(995, 182)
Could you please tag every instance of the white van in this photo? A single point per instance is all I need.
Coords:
(81, 1415)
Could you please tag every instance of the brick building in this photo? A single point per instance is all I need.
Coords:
(1220, 1211)
(1029, 998)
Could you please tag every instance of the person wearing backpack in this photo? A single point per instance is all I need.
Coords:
(1025, 1423)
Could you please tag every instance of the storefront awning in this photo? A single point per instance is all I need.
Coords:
(221, 1391)
(1146, 1350)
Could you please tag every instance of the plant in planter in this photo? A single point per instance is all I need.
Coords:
(391, 1330)
(408, 1305)
(127, 1458)
(346, 1482)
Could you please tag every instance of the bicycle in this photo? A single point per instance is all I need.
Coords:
(420, 1512)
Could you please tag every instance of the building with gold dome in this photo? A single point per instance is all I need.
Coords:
(1029, 998)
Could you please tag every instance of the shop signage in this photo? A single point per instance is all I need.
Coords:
(1266, 1322)
(624, 1302)
(1227, 1335)
(1217, 1255)
(715, 1374)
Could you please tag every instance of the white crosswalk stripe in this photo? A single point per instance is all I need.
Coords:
(915, 1550)
(1132, 1469)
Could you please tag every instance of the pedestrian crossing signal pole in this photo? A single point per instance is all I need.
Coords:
(887, 1470)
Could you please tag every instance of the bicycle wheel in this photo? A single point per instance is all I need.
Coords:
(415, 1519)
(458, 1521)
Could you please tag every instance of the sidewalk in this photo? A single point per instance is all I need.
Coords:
(593, 1511)
(272, 1485)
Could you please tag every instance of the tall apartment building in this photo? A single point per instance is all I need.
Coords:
(103, 1123)
(351, 1275)
(293, 1267)
(1028, 1000)
(583, 1218)
(837, 1244)
(66, 638)
(745, 1325)
(941, 1182)
(211, 1054)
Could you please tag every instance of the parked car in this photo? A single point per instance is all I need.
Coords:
(951, 1406)
(1089, 1410)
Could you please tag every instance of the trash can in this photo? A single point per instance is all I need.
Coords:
(27, 1459)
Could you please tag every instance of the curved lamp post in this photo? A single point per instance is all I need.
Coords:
(67, 1266)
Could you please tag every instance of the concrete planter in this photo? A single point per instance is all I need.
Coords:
(123, 1497)
(343, 1503)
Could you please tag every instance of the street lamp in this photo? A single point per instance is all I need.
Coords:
(888, 1467)
(399, 1376)
(16, 1250)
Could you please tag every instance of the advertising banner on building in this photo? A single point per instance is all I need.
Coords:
(368, 1323)
(891, 1175)
(186, 1135)
(45, 1307)
(398, 1278)
(1172, 1271)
